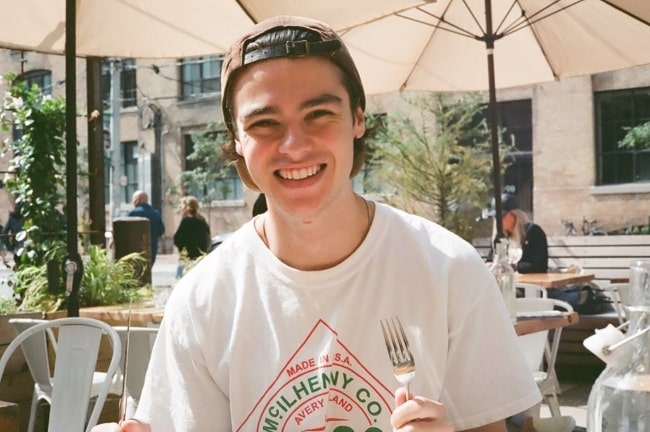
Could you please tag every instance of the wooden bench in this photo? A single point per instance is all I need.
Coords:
(609, 259)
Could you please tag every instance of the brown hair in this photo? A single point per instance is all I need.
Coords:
(191, 204)
(292, 37)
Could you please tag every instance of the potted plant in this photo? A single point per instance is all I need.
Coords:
(105, 282)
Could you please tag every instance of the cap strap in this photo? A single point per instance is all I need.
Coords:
(293, 49)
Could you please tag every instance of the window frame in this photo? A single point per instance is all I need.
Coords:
(200, 76)
(231, 183)
(614, 112)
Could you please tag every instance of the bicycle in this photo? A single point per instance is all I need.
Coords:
(569, 228)
(589, 227)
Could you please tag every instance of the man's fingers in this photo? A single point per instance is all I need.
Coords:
(419, 411)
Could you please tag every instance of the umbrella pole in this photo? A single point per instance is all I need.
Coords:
(492, 117)
(73, 266)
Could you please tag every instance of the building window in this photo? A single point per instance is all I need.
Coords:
(200, 76)
(516, 119)
(211, 179)
(41, 78)
(130, 158)
(616, 112)
(129, 94)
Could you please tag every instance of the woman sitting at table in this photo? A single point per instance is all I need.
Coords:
(527, 244)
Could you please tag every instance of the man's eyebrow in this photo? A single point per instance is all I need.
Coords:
(263, 110)
(270, 109)
(322, 99)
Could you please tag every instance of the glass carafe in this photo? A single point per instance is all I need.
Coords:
(620, 397)
(505, 276)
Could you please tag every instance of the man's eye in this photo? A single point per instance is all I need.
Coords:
(265, 123)
(318, 114)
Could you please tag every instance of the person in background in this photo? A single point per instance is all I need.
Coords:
(141, 208)
(192, 237)
(278, 328)
(259, 206)
(13, 226)
(527, 243)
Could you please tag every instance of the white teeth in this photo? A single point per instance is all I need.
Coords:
(299, 174)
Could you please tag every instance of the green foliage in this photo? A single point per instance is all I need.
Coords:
(435, 162)
(8, 306)
(38, 161)
(104, 282)
(211, 166)
(636, 138)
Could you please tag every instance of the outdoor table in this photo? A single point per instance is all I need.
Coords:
(118, 315)
(525, 326)
(553, 280)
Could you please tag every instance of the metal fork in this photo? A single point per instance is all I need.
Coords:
(399, 351)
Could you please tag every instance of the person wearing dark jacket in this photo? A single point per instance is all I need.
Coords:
(13, 226)
(532, 240)
(143, 209)
(192, 238)
(527, 243)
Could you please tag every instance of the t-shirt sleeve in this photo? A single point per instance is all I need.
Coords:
(485, 369)
(179, 393)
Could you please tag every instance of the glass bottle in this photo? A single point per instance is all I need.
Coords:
(620, 397)
(505, 276)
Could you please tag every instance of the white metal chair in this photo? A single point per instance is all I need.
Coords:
(141, 340)
(619, 293)
(531, 290)
(540, 351)
(68, 389)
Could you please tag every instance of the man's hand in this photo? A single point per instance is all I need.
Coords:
(131, 425)
(418, 414)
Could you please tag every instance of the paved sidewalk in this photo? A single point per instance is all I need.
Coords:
(164, 269)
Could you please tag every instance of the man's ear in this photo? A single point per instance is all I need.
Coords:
(359, 123)
(238, 147)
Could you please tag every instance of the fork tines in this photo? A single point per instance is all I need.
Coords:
(396, 342)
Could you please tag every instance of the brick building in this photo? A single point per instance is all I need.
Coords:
(567, 164)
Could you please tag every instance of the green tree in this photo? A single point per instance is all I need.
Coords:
(38, 164)
(435, 161)
(207, 179)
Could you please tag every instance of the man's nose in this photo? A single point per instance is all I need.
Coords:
(295, 140)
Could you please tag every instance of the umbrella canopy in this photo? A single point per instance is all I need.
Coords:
(148, 29)
(164, 28)
(466, 45)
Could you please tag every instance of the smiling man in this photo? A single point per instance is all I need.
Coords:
(278, 328)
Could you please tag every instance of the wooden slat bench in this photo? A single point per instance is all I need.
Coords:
(609, 259)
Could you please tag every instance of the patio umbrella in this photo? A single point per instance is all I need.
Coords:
(148, 29)
(466, 45)
(164, 28)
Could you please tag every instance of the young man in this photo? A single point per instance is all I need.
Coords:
(278, 328)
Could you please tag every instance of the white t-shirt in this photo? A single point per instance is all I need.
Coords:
(250, 344)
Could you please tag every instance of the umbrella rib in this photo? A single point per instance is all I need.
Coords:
(528, 21)
(633, 16)
(441, 24)
(398, 13)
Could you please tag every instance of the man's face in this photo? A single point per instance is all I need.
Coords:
(295, 130)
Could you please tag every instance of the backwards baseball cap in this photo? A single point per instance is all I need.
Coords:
(328, 45)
